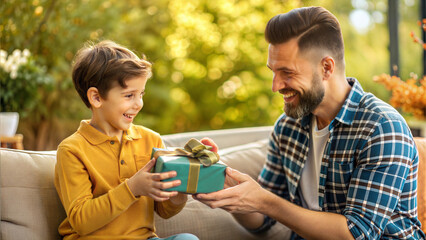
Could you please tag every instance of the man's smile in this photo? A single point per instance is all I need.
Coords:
(289, 95)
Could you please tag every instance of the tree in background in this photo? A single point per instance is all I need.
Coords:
(209, 58)
(53, 30)
(212, 71)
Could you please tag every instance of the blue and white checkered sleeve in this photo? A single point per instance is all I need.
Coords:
(272, 175)
(379, 178)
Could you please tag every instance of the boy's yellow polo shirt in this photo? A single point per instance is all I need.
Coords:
(90, 177)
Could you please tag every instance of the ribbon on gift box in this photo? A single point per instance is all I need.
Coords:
(197, 153)
(193, 149)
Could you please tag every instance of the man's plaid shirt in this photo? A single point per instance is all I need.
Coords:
(368, 170)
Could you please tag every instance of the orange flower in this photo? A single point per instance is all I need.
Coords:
(408, 95)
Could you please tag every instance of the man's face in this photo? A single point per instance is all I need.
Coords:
(296, 78)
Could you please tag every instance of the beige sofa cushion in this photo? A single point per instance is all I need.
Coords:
(248, 158)
(212, 224)
(30, 206)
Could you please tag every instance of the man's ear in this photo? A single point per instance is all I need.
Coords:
(327, 67)
(94, 97)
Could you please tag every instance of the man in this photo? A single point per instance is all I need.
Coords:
(341, 163)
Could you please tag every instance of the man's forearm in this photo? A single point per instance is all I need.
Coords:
(306, 223)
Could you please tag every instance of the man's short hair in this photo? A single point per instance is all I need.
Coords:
(315, 27)
(103, 64)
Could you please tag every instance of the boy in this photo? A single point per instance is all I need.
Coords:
(103, 173)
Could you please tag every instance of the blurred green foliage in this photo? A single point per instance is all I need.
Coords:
(23, 83)
(209, 57)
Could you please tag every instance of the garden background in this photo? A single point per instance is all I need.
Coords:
(209, 57)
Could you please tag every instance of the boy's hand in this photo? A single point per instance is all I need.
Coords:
(145, 183)
(210, 142)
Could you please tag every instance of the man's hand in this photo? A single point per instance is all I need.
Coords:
(145, 183)
(244, 197)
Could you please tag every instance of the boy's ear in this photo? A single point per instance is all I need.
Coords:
(94, 97)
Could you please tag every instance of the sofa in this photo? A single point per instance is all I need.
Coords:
(31, 209)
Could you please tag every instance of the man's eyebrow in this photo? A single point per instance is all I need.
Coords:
(286, 69)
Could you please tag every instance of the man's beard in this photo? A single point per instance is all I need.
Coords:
(308, 101)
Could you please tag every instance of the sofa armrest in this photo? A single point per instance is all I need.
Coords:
(30, 206)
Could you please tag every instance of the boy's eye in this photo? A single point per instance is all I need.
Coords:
(129, 95)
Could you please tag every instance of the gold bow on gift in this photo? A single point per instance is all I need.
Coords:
(193, 149)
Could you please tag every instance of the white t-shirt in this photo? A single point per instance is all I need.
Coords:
(309, 179)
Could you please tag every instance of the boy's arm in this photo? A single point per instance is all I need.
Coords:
(85, 213)
(167, 208)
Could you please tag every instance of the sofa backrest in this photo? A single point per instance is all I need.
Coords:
(224, 138)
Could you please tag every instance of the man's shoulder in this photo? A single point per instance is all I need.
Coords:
(364, 106)
(290, 129)
(380, 118)
(375, 108)
(283, 119)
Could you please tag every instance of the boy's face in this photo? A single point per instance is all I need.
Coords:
(122, 105)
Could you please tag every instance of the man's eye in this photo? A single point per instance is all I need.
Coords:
(287, 74)
(129, 95)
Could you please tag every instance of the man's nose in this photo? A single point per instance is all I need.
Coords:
(277, 83)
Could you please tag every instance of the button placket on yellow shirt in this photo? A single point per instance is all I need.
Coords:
(126, 160)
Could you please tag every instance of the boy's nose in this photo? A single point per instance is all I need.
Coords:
(139, 103)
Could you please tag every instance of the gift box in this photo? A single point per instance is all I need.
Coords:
(195, 176)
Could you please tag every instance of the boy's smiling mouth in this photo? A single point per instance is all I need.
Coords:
(128, 116)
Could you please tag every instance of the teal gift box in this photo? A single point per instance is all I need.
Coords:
(194, 176)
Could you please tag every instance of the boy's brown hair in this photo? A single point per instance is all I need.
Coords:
(100, 65)
(315, 27)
